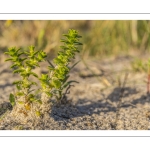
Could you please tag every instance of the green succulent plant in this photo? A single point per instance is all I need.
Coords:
(54, 83)
(57, 84)
(23, 64)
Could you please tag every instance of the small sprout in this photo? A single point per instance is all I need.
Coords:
(38, 113)
(12, 99)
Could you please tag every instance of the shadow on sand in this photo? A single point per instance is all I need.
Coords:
(87, 107)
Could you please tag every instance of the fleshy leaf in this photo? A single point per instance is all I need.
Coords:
(12, 99)
(38, 113)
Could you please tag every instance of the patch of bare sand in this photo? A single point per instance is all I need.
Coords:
(97, 102)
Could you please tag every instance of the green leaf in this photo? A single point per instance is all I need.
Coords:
(64, 41)
(62, 70)
(50, 64)
(74, 65)
(78, 36)
(22, 59)
(8, 59)
(20, 54)
(34, 74)
(66, 78)
(68, 83)
(18, 71)
(78, 43)
(41, 55)
(31, 49)
(44, 77)
(49, 94)
(66, 35)
(14, 65)
(31, 90)
(21, 102)
(39, 101)
(51, 68)
(56, 83)
(33, 83)
(20, 94)
(29, 64)
(32, 99)
(70, 53)
(12, 99)
(18, 50)
(18, 82)
(18, 87)
(60, 76)
(6, 53)
(34, 54)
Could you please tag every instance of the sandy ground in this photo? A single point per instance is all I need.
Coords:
(109, 96)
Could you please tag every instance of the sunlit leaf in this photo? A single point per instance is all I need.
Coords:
(20, 94)
(38, 113)
(21, 102)
(27, 106)
(12, 99)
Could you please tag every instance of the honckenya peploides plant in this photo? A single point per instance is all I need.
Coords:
(54, 84)
(23, 63)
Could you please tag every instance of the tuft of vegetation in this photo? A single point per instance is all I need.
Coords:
(23, 63)
(54, 84)
(57, 84)
(138, 65)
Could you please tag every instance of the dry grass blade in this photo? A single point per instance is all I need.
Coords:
(120, 98)
(101, 79)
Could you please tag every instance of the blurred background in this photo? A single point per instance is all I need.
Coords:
(100, 38)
